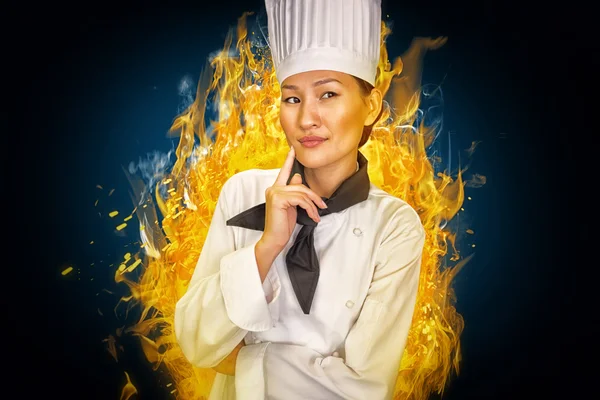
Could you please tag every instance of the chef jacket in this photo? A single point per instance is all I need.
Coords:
(351, 343)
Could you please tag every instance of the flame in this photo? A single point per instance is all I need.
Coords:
(247, 135)
(128, 389)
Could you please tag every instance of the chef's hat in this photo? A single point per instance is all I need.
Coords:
(338, 35)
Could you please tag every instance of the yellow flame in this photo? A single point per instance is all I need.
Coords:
(128, 390)
(398, 163)
(111, 345)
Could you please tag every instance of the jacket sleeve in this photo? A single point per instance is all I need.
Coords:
(225, 298)
(375, 344)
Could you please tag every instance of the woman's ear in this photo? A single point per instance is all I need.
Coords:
(374, 103)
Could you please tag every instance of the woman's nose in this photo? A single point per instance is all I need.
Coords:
(309, 115)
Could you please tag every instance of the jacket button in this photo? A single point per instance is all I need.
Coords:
(336, 354)
(349, 304)
(357, 232)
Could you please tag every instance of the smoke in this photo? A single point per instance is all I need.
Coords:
(187, 90)
(151, 170)
(431, 115)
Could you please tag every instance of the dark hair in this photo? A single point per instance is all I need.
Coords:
(365, 89)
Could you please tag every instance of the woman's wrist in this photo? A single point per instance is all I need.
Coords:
(265, 254)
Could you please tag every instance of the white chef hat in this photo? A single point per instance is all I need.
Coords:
(338, 35)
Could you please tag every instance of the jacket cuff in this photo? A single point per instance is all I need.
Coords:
(243, 294)
(271, 285)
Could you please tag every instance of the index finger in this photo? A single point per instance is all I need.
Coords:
(286, 169)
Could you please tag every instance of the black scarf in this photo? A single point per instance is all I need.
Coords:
(301, 259)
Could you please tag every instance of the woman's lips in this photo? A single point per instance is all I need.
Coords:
(311, 142)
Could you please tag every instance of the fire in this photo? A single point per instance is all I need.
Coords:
(128, 390)
(247, 135)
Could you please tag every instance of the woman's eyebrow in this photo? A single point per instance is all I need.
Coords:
(315, 84)
(324, 81)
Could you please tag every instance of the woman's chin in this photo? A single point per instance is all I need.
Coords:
(311, 159)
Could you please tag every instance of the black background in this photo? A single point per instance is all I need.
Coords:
(518, 78)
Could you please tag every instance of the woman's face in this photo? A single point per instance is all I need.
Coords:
(323, 114)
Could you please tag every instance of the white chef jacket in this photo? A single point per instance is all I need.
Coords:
(351, 343)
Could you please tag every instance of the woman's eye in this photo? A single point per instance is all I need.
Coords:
(292, 100)
(328, 95)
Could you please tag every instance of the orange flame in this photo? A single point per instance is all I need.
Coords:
(248, 135)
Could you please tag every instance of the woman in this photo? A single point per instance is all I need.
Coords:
(307, 280)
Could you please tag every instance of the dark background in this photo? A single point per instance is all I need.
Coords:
(96, 87)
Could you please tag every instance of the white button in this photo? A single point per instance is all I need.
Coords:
(257, 341)
(349, 304)
(357, 232)
(336, 354)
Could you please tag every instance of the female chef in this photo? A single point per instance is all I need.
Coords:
(308, 277)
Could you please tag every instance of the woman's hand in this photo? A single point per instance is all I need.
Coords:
(280, 214)
(281, 202)
(227, 366)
